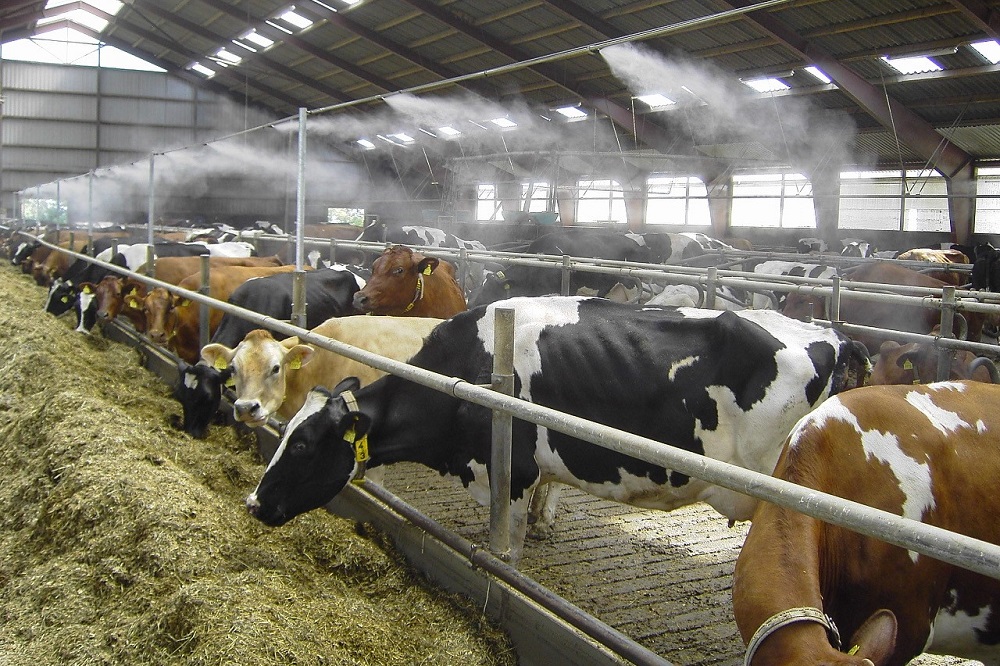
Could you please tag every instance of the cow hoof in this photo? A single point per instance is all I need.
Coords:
(541, 531)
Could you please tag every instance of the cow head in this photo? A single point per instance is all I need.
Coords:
(161, 307)
(259, 366)
(323, 448)
(199, 390)
(62, 297)
(497, 285)
(396, 283)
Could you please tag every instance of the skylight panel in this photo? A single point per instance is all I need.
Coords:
(912, 64)
(366, 144)
(297, 20)
(572, 112)
(816, 72)
(260, 40)
(448, 130)
(988, 49)
(201, 69)
(80, 16)
(766, 85)
(404, 137)
(503, 123)
(655, 100)
(228, 56)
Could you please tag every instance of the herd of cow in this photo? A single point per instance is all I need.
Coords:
(752, 386)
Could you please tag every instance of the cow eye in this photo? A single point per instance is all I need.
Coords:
(275, 369)
(397, 271)
(298, 447)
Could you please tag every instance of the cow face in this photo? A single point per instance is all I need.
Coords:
(62, 297)
(260, 366)
(160, 307)
(496, 287)
(199, 390)
(315, 460)
(396, 281)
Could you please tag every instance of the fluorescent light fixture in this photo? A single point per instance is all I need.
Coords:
(299, 21)
(571, 112)
(818, 73)
(255, 37)
(988, 49)
(448, 130)
(655, 100)
(228, 56)
(912, 64)
(201, 69)
(244, 46)
(766, 85)
(366, 144)
(503, 123)
(405, 138)
(427, 132)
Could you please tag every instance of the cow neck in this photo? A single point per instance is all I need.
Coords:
(418, 295)
(410, 423)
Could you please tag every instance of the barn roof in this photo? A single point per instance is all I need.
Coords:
(523, 59)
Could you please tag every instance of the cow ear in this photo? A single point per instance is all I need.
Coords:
(875, 640)
(298, 356)
(347, 384)
(216, 355)
(427, 265)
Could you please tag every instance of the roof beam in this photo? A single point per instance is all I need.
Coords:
(982, 15)
(916, 132)
(305, 46)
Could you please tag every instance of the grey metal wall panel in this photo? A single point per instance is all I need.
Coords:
(48, 133)
(145, 111)
(58, 160)
(143, 85)
(126, 138)
(35, 76)
(37, 104)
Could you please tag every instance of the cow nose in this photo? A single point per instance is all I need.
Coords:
(360, 300)
(245, 407)
(253, 506)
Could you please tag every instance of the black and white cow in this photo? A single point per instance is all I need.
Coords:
(521, 280)
(329, 293)
(724, 384)
(774, 268)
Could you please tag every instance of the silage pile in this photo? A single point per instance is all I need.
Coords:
(124, 541)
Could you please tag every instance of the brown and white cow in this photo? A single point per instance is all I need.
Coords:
(926, 452)
(272, 378)
(917, 362)
(950, 256)
(406, 283)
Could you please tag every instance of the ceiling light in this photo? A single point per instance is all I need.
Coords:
(447, 130)
(228, 56)
(503, 123)
(818, 73)
(766, 85)
(988, 49)
(655, 100)
(912, 64)
(366, 144)
(571, 112)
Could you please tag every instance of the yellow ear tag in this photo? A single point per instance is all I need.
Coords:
(87, 290)
(220, 363)
(186, 302)
(65, 299)
(349, 435)
(854, 650)
(361, 449)
(296, 364)
(132, 303)
(231, 383)
(907, 365)
(132, 291)
(428, 269)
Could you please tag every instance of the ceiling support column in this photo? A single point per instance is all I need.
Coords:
(962, 204)
(826, 202)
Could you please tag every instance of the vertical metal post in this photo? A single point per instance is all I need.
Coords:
(58, 203)
(203, 312)
(835, 300)
(502, 381)
(90, 208)
(947, 331)
(152, 199)
(300, 203)
(463, 267)
(299, 299)
(712, 275)
(564, 288)
(150, 261)
(333, 250)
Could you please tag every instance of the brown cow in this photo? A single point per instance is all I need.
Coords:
(917, 362)
(55, 263)
(909, 318)
(406, 283)
(174, 321)
(956, 278)
(926, 452)
(175, 269)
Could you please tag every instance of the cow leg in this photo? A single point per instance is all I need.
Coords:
(518, 525)
(542, 510)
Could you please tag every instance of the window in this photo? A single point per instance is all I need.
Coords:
(677, 200)
(352, 216)
(774, 200)
(988, 200)
(885, 201)
(44, 210)
(488, 208)
(600, 201)
(537, 196)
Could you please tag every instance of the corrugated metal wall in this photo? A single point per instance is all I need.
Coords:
(64, 123)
